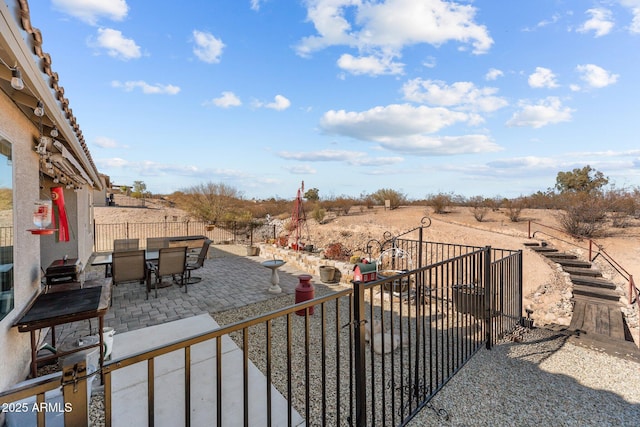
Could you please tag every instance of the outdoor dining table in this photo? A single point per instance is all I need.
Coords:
(56, 308)
(107, 260)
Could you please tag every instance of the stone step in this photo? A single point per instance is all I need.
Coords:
(570, 262)
(598, 321)
(592, 281)
(531, 244)
(593, 292)
(580, 271)
(561, 255)
(543, 249)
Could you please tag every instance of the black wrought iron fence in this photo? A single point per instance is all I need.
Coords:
(222, 232)
(372, 355)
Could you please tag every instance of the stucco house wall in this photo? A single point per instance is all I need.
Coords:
(32, 254)
(15, 346)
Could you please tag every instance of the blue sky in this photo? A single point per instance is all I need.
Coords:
(480, 97)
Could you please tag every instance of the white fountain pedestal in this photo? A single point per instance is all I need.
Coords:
(274, 265)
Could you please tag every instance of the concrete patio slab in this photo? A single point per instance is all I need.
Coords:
(129, 385)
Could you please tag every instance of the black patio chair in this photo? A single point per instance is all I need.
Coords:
(197, 263)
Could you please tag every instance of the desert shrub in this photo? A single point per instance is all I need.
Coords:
(583, 214)
(289, 225)
(439, 202)
(479, 212)
(514, 209)
(367, 200)
(318, 214)
(478, 207)
(395, 198)
(543, 200)
(337, 252)
(340, 205)
(623, 206)
(355, 259)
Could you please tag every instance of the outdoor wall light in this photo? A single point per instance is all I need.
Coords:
(16, 79)
(39, 110)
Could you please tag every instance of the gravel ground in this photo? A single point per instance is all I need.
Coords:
(542, 380)
(539, 379)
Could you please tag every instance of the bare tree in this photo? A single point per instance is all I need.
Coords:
(213, 202)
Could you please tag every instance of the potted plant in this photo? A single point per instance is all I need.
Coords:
(327, 273)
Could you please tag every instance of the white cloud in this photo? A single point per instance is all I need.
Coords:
(430, 62)
(545, 112)
(371, 65)
(596, 77)
(464, 95)
(90, 11)
(255, 4)
(554, 18)
(422, 145)
(301, 170)
(355, 158)
(321, 155)
(104, 142)
(396, 120)
(383, 29)
(493, 74)
(526, 163)
(228, 99)
(634, 28)
(207, 47)
(600, 23)
(405, 128)
(634, 8)
(117, 45)
(146, 88)
(543, 78)
(279, 103)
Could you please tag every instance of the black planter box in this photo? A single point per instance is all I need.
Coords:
(469, 299)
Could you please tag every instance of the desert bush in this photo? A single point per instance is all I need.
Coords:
(583, 214)
(439, 202)
(367, 200)
(514, 209)
(340, 205)
(479, 212)
(337, 252)
(478, 207)
(623, 206)
(318, 214)
(395, 198)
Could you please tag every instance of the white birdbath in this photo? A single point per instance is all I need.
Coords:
(274, 265)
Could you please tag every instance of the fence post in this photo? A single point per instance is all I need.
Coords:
(360, 364)
(488, 294)
(74, 391)
(520, 254)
